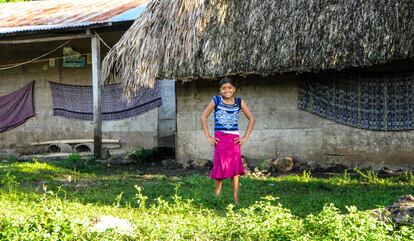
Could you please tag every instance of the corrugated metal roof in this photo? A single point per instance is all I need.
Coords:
(61, 14)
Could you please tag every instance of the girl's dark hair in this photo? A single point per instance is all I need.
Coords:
(226, 80)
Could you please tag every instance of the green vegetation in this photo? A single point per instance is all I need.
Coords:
(10, 1)
(157, 154)
(60, 200)
(142, 154)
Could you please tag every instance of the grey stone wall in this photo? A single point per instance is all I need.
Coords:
(133, 132)
(166, 117)
(282, 129)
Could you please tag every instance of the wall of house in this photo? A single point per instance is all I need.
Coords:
(140, 131)
(282, 129)
(166, 117)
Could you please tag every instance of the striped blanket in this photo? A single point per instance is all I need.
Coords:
(16, 107)
(76, 102)
(375, 101)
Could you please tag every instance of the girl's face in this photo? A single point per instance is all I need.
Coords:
(227, 90)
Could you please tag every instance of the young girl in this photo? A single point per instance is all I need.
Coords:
(226, 141)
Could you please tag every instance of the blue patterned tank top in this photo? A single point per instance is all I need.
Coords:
(226, 117)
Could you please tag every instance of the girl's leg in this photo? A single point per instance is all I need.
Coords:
(218, 187)
(235, 184)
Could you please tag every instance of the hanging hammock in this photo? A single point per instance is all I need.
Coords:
(76, 102)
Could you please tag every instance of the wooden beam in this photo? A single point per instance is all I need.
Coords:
(49, 39)
(74, 141)
(96, 86)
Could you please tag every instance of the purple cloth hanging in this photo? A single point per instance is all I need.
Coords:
(16, 107)
(76, 102)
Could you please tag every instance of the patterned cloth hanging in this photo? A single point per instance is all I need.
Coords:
(375, 101)
(76, 102)
(16, 107)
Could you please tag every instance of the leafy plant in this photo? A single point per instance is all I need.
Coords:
(143, 154)
(73, 157)
(370, 176)
(140, 198)
(407, 177)
(306, 175)
(9, 181)
(118, 200)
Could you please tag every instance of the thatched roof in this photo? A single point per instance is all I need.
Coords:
(186, 39)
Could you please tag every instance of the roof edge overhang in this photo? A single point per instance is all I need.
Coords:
(102, 27)
(125, 18)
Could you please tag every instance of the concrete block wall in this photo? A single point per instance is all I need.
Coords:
(166, 117)
(282, 129)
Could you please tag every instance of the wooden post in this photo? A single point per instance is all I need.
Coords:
(97, 121)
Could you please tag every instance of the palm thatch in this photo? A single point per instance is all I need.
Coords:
(187, 39)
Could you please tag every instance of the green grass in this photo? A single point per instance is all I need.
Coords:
(58, 200)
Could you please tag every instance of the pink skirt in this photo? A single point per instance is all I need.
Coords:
(227, 157)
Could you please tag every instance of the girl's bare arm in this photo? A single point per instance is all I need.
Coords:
(250, 126)
(206, 113)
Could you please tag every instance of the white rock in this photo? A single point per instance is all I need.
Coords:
(106, 222)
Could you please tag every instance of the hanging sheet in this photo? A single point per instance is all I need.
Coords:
(76, 102)
(376, 101)
(16, 107)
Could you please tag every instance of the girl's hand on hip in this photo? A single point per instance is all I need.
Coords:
(241, 141)
(213, 141)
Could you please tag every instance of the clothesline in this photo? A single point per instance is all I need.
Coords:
(36, 60)
(44, 60)
(106, 45)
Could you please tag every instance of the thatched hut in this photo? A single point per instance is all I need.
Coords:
(329, 81)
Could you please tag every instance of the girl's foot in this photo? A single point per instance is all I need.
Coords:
(236, 201)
